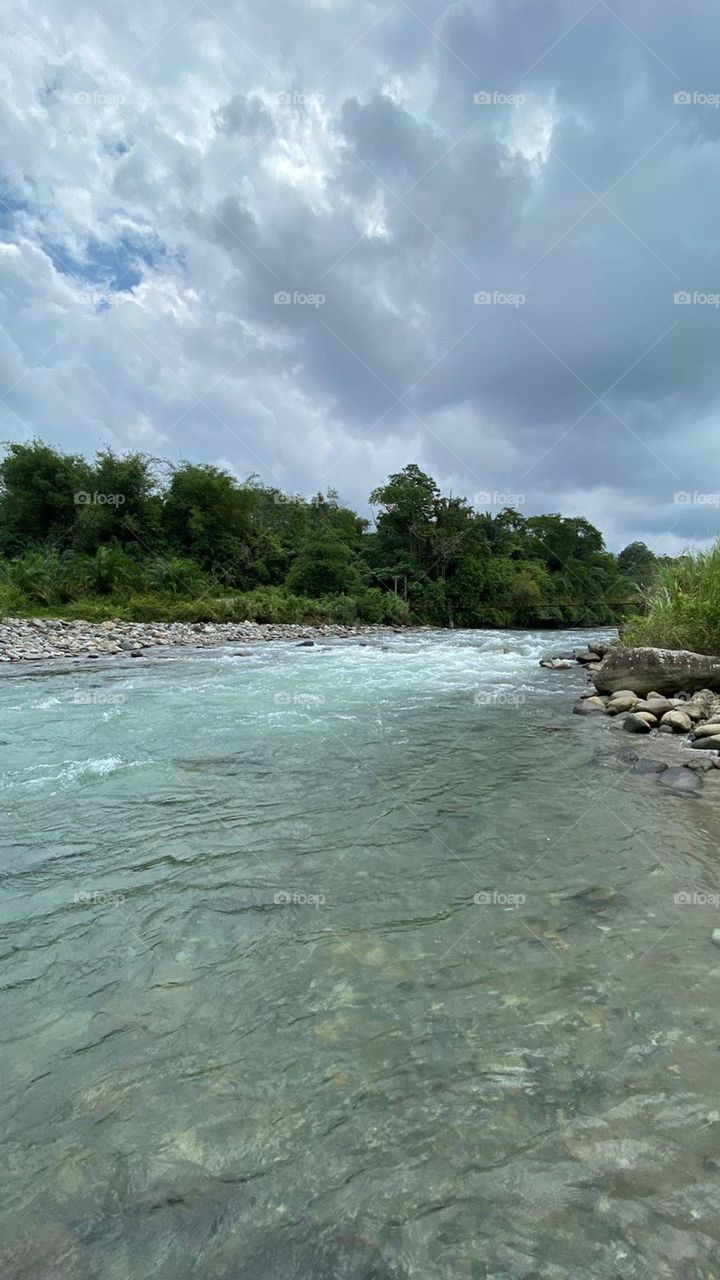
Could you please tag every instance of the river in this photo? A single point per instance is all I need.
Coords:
(364, 961)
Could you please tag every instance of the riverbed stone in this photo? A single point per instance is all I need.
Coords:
(620, 703)
(586, 656)
(588, 707)
(708, 730)
(649, 766)
(656, 706)
(638, 724)
(706, 744)
(680, 781)
(678, 721)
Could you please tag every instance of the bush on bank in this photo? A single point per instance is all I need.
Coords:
(682, 609)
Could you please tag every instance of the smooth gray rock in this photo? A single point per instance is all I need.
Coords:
(588, 708)
(636, 724)
(708, 730)
(657, 670)
(678, 721)
(681, 781)
(706, 744)
(657, 707)
(649, 766)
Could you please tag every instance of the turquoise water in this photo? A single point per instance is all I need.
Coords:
(256, 1024)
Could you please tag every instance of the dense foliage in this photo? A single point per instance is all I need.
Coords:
(682, 606)
(129, 536)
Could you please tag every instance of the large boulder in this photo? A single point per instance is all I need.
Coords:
(656, 671)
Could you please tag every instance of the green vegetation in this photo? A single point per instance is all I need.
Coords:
(130, 537)
(682, 607)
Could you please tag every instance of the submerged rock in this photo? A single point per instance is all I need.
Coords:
(649, 766)
(681, 781)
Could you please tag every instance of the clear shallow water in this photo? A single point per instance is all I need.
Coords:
(253, 1021)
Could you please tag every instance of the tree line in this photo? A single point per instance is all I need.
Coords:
(129, 535)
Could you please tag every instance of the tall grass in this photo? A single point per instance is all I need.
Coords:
(682, 607)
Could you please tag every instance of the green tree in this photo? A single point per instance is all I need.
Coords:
(323, 566)
(39, 489)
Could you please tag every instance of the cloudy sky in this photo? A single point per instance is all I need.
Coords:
(482, 215)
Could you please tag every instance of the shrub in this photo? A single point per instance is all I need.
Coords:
(683, 607)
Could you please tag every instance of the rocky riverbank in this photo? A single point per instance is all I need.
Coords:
(679, 709)
(37, 639)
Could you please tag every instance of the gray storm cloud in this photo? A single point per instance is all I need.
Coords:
(320, 241)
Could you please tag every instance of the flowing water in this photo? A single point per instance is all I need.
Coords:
(355, 962)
